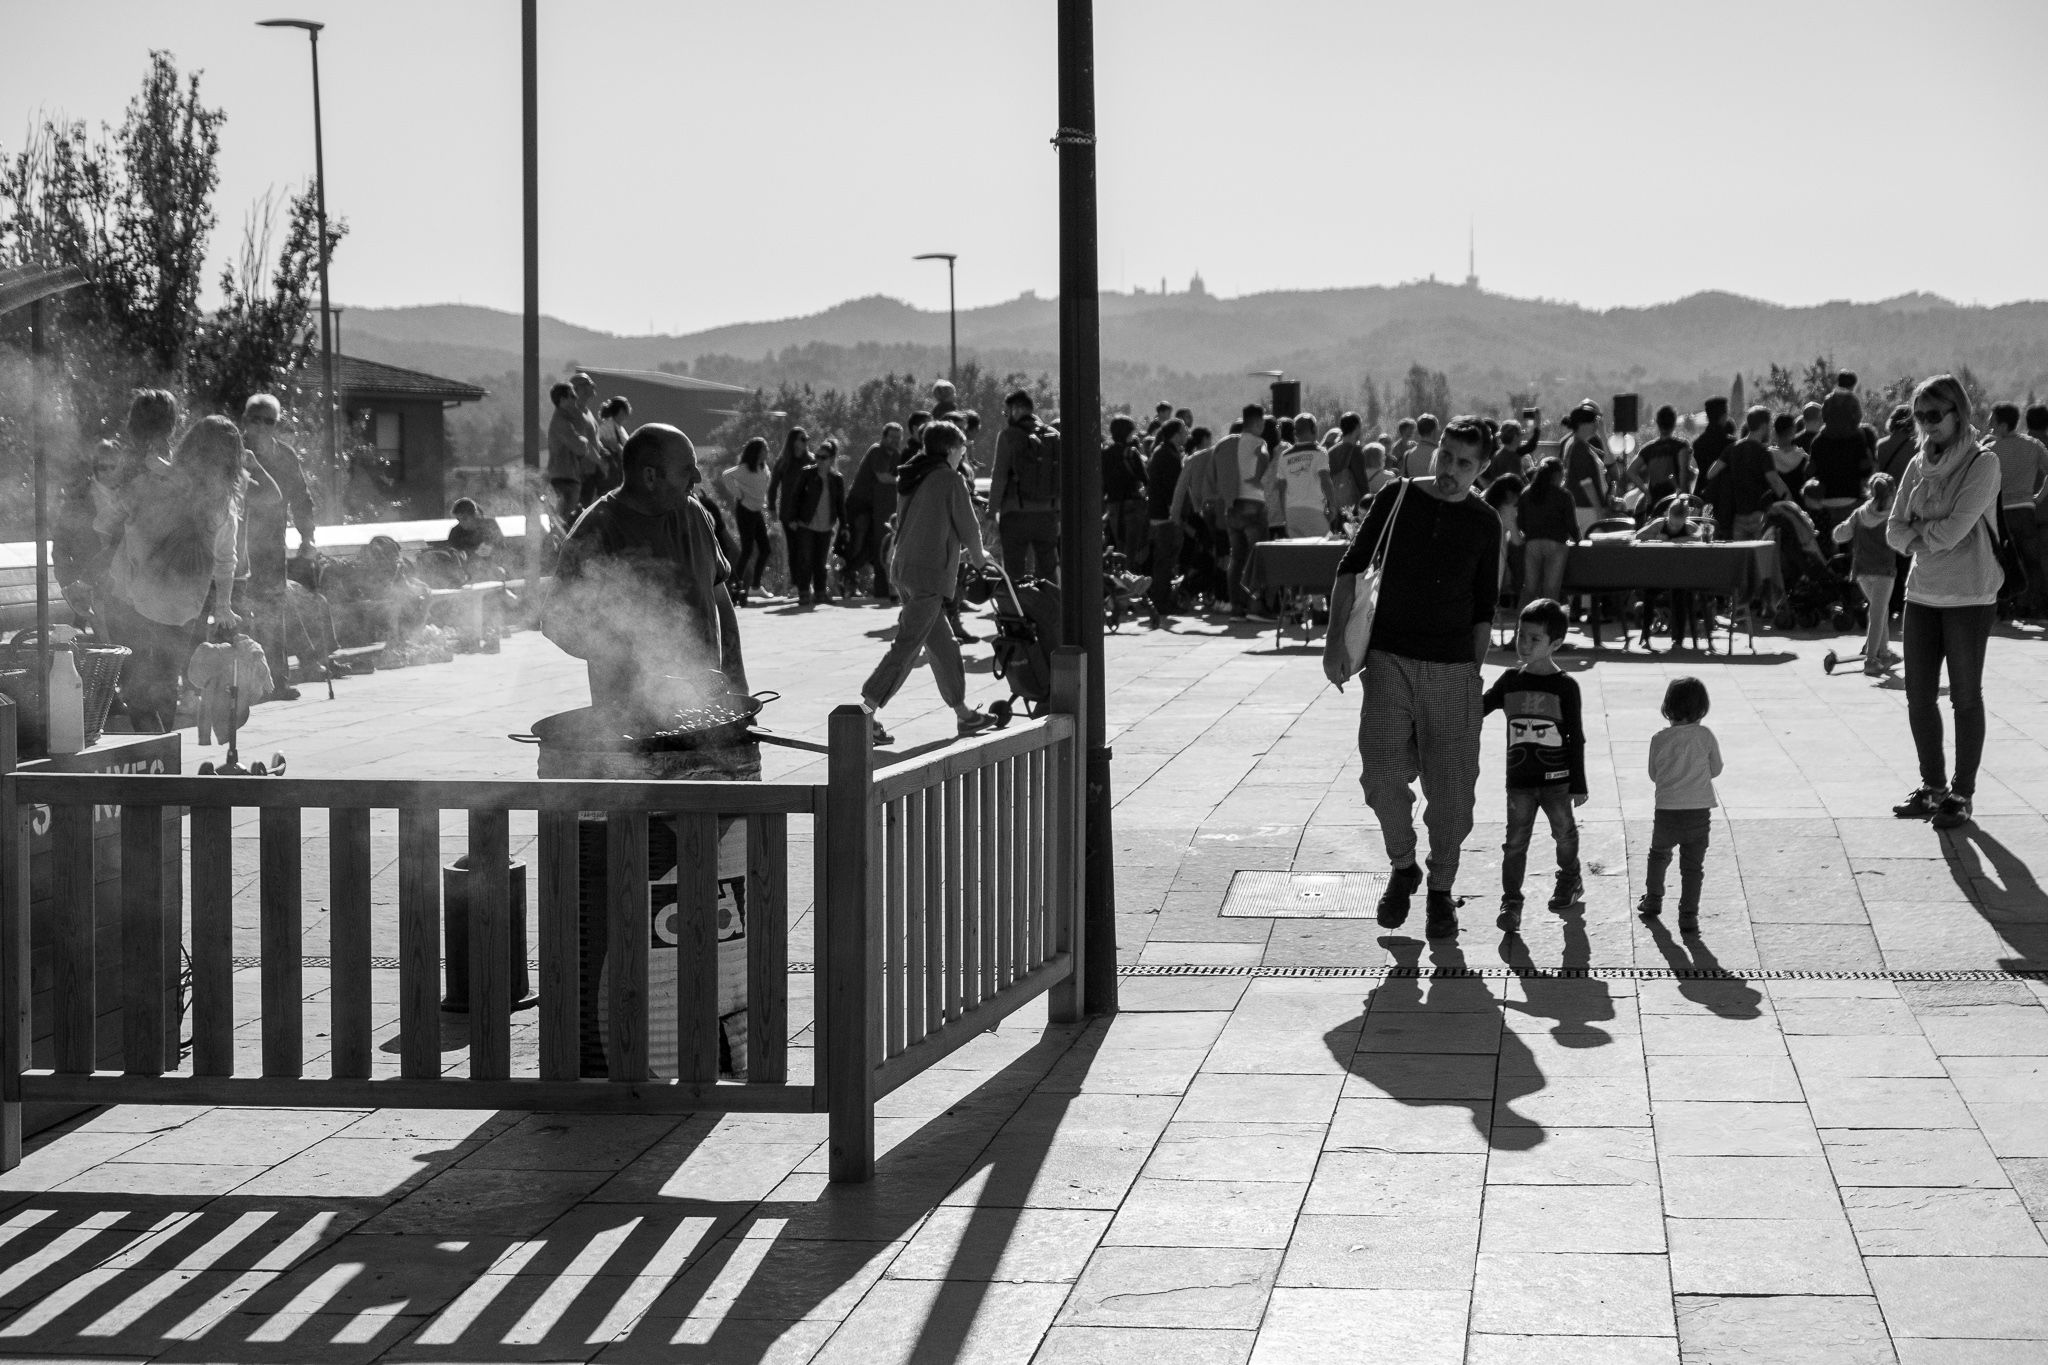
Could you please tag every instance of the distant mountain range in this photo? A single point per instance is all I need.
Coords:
(1192, 347)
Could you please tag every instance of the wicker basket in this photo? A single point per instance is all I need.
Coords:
(99, 668)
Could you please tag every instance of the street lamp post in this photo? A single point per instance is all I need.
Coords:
(952, 317)
(312, 28)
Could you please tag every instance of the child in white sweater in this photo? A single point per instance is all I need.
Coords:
(1684, 761)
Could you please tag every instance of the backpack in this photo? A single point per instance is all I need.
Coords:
(2018, 576)
(1036, 478)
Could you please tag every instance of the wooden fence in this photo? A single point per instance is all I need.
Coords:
(948, 893)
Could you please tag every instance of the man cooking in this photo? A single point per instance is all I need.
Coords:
(641, 593)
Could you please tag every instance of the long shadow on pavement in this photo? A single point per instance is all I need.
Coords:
(2004, 891)
(1695, 966)
(564, 1276)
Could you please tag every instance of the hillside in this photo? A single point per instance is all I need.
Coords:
(1196, 348)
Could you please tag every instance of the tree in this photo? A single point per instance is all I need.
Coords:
(1817, 381)
(260, 336)
(1426, 391)
(1373, 408)
(1778, 389)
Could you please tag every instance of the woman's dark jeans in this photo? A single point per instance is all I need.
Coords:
(1957, 635)
(753, 549)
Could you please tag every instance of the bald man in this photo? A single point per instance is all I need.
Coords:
(641, 591)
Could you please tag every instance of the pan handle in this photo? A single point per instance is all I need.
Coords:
(524, 739)
(765, 696)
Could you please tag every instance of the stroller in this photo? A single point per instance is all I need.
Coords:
(1816, 592)
(1027, 625)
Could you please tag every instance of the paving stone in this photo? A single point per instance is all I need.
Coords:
(1195, 1287)
(1573, 1218)
(1179, 994)
(1363, 1327)
(1696, 1128)
(487, 1203)
(1885, 1102)
(1237, 1151)
(1912, 1156)
(1420, 1076)
(1579, 1102)
(1575, 1156)
(1574, 1294)
(1782, 1330)
(1233, 1098)
(1963, 1296)
(1757, 1079)
(776, 1279)
(1941, 1221)
(1215, 1213)
(1765, 1256)
(1749, 1187)
(255, 1137)
(1708, 1035)
(905, 1321)
(1143, 1346)
(1351, 1251)
(1403, 1126)
(669, 1341)
(1997, 1031)
(1999, 1080)
(1398, 1184)
(1488, 1349)
(1967, 1351)
(1867, 1055)
(1402, 1032)
(2014, 1130)
(1828, 1015)
(1025, 1245)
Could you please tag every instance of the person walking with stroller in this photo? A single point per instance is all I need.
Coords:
(1872, 566)
(935, 527)
(1546, 758)
(1421, 713)
(1685, 759)
(1945, 518)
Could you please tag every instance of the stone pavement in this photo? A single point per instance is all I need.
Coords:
(1304, 1139)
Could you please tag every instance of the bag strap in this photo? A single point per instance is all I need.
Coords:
(1380, 546)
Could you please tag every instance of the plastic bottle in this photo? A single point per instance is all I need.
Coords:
(67, 704)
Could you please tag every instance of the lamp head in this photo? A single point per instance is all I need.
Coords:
(310, 25)
(947, 256)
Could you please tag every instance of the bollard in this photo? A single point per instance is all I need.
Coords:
(455, 938)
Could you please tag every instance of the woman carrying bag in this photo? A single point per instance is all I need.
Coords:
(1413, 608)
(935, 526)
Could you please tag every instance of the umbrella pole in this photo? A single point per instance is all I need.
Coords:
(42, 495)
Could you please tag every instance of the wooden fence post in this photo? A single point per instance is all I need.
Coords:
(853, 945)
(1068, 892)
(14, 992)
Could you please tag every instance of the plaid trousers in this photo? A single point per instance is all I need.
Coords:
(1420, 719)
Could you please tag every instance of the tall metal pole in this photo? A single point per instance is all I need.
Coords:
(1081, 471)
(38, 345)
(952, 328)
(529, 332)
(326, 315)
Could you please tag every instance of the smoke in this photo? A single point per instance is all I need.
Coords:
(652, 645)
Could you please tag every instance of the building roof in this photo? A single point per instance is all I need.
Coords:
(354, 375)
(663, 379)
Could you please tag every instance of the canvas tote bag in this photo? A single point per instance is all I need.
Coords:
(1365, 594)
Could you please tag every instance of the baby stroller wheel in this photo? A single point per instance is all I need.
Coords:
(1112, 611)
(1002, 711)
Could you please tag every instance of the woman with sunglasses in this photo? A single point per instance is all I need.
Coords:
(1942, 517)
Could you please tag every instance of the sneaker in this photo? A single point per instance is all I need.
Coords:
(1650, 907)
(974, 722)
(877, 734)
(1953, 813)
(1510, 918)
(1873, 669)
(1921, 805)
(1442, 911)
(1571, 889)
(1688, 922)
(1401, 884)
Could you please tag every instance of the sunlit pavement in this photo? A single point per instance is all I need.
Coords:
(1573, 1148)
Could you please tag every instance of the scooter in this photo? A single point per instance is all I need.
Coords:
(232, 767)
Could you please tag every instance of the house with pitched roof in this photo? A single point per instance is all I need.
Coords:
(397, 417)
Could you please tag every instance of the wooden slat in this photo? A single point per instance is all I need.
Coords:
(490, 946)
(419, 943)
(957, 956)
(348, 932)
(1040, 979)
(915, 918)
(767, 949)
(1006, 874)
(934, 913)
(314, 793)
(988, 885)
(852, 961)
(567, 1097)
(281, 911)
(143, 1035)
(213, 943)
(697, 947)
(629, 912)
(1034, 861)
(74, 938)
(969, 755)
(560, 947)
(892, 929)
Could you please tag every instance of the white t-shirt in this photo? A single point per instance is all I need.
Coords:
(1249, 486)
(1301, 468)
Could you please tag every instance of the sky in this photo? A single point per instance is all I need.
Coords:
(709, 163)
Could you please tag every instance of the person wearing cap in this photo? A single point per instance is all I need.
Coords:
(1585, 476)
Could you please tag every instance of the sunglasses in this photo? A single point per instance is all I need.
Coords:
(1932, 417)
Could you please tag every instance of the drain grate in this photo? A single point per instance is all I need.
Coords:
(1303, 895)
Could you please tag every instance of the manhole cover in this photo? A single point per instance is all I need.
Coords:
(1303, 895)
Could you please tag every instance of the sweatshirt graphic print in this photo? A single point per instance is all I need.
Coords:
(1546, 739)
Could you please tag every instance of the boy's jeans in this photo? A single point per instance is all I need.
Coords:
(1555, 801)
(1687, 830)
